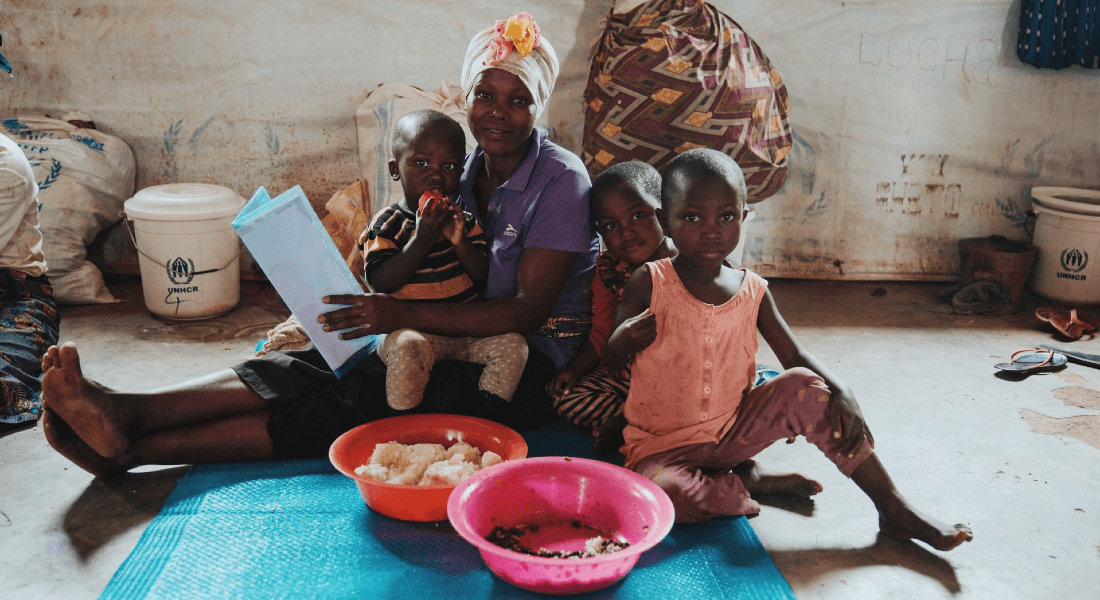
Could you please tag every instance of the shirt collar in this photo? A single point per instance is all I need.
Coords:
(519, 180)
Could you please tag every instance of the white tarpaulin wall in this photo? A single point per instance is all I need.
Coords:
(916, 125)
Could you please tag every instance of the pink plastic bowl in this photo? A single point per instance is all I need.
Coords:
(417, 502)
(557, 490)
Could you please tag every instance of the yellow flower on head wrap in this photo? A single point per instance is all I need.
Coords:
(522, 31)
(519, 32)
(533, 60)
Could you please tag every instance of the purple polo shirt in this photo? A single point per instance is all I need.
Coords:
(544, 204)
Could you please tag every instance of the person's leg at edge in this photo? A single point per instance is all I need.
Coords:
(807, 415)
(216, 417)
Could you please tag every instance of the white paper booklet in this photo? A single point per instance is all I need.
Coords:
(299, 258)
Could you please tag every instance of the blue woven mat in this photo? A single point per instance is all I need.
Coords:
(298, 529)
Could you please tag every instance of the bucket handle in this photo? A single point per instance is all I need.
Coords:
(126, 222)
(1029, 222)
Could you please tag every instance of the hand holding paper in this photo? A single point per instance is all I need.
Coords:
(365, 314)
(291, 245)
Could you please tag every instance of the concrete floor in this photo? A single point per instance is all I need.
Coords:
(1017, 460)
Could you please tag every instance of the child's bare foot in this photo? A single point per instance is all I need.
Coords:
(62, 438)
(85, 406)
(907, 523)
(759, 480)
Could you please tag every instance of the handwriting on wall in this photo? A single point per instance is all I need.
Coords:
(921, 189)
(972, 60)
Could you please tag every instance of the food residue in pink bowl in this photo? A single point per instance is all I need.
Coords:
(557, 539)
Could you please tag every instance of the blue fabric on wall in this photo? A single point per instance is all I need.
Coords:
(1056, 34)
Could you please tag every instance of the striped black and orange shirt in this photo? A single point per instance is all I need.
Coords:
(441, 277)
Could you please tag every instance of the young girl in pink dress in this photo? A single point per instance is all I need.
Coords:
(688, 325)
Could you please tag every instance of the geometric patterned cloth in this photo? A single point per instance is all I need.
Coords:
(673, 75)
(1056, 34)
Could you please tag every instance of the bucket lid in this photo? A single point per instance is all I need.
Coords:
(184, 202)
(1072, 200)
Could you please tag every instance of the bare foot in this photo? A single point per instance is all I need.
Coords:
(759, 480)
(85, 406)
(906, 523)
(62, 438)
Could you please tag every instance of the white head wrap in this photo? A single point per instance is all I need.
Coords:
(538, 70)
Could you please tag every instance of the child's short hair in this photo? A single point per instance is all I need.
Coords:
(642, 176)
(701, 163)
(414, 123)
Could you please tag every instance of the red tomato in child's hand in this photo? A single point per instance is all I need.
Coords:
(429, 199)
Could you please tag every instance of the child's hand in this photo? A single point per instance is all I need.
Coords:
(562, 383)
(432, 221)
(455, 230)
(847, 423)
(634, 334)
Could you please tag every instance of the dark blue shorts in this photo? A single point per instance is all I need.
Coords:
(311, 407)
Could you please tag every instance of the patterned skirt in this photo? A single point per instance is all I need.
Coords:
(28, 326)
(600, 396)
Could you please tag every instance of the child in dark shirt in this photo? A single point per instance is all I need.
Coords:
(435, 253)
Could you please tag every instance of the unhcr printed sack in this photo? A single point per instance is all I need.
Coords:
(83, 176)
(673, 75)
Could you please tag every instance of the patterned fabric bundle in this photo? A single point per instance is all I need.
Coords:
(673, 75)
(1056, 34)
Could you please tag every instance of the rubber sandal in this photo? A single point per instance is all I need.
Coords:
(1033, 360)
(1043, 313)
(1069, 325)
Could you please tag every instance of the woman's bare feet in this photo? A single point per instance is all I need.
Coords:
(85, 406)
(760, 480)
(62, 438)
(907, 523)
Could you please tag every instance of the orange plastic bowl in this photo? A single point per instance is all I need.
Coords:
(417, 502)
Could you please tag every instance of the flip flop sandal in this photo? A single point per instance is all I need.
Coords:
(1043, 313)
(1065, 321)
(1033, 361)
(1069, 325)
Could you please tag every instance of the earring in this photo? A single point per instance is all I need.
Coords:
(395, 177)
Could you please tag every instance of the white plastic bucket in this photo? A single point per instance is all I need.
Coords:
(188, 253)
(1067, 235)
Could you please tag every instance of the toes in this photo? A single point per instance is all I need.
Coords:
(49, 359)
(68, 357)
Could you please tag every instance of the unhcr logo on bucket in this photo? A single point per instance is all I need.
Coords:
(181, 271)
(1074, 261)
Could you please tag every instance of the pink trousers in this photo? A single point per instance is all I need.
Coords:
(698, 477)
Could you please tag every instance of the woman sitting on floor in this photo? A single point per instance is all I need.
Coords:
(531, 198)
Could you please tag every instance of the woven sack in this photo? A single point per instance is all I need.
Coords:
(672, 75)
(84, 176)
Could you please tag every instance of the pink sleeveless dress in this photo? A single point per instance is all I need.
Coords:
(686, 388)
